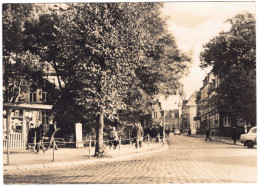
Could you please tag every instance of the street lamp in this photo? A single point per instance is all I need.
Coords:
(163, 127)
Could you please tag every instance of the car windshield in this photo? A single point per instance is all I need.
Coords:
(253, 130)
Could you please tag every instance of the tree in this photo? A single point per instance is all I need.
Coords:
(21, 68)
(232, 56)
(103, 54)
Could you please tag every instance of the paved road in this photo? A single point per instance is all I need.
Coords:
(188, 160)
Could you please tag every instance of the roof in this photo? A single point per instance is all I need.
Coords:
(27, 106)
(182, 93)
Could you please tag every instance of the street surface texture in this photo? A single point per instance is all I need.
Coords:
(188, 160)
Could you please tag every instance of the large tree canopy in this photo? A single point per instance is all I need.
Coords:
(21, 68)
(107, 57)
(232, 56)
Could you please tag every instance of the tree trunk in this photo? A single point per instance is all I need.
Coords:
(99, 135)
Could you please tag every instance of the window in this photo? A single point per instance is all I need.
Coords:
(216, 120)
(45, 118)
(155, 115)
(227, 121)
(253, 130)
(33, 94)
(212, 122)
(44, 96)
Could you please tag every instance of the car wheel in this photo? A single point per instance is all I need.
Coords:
(250, 144)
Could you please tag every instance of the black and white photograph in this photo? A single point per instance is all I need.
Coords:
(129, 92)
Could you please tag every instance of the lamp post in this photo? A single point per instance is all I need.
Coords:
(163, 127)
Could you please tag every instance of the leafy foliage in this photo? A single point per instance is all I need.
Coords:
(21, 69)
(107, 57)
(232, 56)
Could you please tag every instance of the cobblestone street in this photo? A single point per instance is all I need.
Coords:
(188, 160)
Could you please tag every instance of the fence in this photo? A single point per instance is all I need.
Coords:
(16, 141)
(88, 144)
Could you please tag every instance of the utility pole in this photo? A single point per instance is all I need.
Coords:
(163, 127)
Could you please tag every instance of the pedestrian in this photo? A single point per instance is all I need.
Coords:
(134, 133)
(39, 138)
(157, 133)
(113, 137)
(161, 130)
(139, 137)
(52, 131)
(234, 132)
(189, 132)
(31, 139)
(207, 135)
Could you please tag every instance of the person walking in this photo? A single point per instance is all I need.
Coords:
(134, 133)
(39, 139)
(189, 132)
(113, 137)
(52, 131)
(31, 138)
(139, 137)
(234, 137)
(207, 135)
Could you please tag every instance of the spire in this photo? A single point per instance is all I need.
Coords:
(182, 93)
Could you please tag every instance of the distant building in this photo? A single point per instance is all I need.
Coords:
(189, 111)
(171, 119)
(157, 115)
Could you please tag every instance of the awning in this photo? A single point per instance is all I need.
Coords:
(27, 106)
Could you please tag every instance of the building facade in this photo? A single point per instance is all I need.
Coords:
(31, 111)
(189, 112)
(208, 116)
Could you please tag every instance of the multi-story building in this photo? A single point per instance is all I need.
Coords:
(189, 111)
(157, 115)
(168, 118)
(171, 119)
(208, 115)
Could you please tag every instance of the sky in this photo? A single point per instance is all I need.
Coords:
(194, 24)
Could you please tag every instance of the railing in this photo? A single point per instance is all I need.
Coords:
(16, 141)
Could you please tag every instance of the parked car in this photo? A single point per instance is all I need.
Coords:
(177, 132)
(249, 139)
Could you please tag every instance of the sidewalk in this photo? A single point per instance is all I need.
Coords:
(23, 159)
(227, 140)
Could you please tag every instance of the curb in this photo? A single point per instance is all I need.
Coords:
(216, 140)
(79, 162)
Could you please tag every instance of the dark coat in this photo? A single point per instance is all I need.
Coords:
(154, 132)
(39, 133)
(134, 131)
(52, 130)
(234, 132)
(161, 130)
(31, 135)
